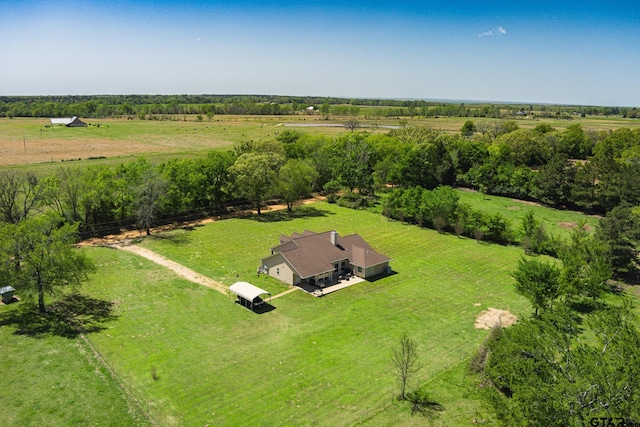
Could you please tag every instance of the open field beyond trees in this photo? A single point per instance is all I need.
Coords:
(26, 141)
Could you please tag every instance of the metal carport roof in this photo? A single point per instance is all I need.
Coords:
(247, 290)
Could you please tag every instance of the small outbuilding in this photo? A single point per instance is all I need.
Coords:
(70, 122)
(248, 295)
(7, 294)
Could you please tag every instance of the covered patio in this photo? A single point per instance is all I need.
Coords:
(329, 287)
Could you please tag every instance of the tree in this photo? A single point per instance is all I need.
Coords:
(44, 259)
(20, 194)
(148, 199)
(295, 180)
(468, 128)
(352, 124)
(619, 230)
(585, 265)
(535, 238)
(254, 175)
(325, 109)
(405, 362)
(538, 282)
(354, 160)
(64, 191)
(540, 371)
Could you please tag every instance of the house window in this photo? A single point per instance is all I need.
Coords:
(335, 267)
(344, 263)
(278, 270)
(359, 269)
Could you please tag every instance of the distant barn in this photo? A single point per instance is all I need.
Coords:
(72, 122)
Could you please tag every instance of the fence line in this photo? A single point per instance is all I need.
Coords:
(125, 386)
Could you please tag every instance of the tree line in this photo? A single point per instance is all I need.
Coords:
(593, 171)
(146, 106)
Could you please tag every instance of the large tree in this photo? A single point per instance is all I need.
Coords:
(148, 200)
(42, 257)
(295, 180)
(619, 230)
(255, 174)
(545, 371)
(538, 282)
(20, 194)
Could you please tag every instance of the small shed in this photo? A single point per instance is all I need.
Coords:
(248, 295)
(7, 294)
(70, 122)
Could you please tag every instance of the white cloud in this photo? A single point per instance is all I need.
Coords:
(497, 31)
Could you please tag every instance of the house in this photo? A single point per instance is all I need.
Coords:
(321, 258)
(68, 122)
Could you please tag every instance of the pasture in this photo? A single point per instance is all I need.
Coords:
(27, 141)
(310, 361)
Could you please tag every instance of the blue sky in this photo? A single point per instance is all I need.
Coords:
(585, 53)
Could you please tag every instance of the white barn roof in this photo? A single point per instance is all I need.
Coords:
(68, 121)
(61, 121)
(247, 290)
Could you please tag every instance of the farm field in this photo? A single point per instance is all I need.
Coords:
(26, 141)
(310, 361)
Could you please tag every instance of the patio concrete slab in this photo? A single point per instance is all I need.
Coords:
(319, 292)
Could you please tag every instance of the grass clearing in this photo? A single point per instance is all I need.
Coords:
(311, 361)
(557, 222)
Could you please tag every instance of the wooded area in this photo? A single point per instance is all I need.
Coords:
(158, 106)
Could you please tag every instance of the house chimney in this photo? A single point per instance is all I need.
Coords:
(334, 238)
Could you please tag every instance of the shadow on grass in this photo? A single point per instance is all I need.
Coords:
(423, 404)
(381, 276)
(264, 308)
(176, 238)
(68, 317)
(285, 215)
(586, 306)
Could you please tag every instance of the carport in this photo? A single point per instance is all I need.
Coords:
(248, 295)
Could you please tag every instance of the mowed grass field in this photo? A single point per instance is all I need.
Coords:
(309, 361)
(56, 381)
(556, 222)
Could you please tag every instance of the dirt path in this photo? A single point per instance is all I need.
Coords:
(281, 294)
(179, 269)
(132, 234)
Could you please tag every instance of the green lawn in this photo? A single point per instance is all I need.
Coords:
(310, 361)
(557, 222)
(193, 357)
(49, 380)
